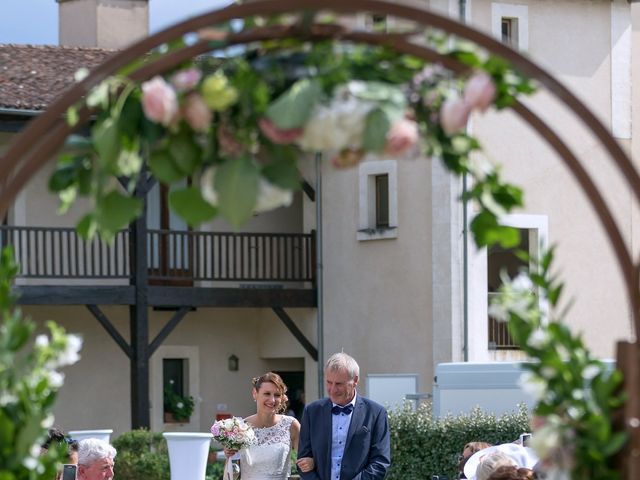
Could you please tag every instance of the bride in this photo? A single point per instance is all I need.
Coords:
(276, 434)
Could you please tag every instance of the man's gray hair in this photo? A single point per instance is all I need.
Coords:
(91, 450)
(342, 361)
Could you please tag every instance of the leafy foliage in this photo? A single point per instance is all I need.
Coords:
(144, 454)
(284, 82)
(423, 445)
(29, 383)
(577, 394)
(141, 454)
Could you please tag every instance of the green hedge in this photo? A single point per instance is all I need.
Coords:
(422, 446)
(143, 455)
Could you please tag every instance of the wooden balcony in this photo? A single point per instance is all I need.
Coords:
(185, 268)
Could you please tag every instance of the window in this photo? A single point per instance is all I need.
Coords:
(378, 202)
(533, 237)
(504, 261)
(375, 22)
(177, 403)
(510, 31)
(382, 200)
(510, 23)
(174, 370)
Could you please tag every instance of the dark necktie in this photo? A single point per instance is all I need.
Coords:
(346, 410)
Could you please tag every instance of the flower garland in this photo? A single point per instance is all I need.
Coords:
(242, 123)
(241, 126)
(576, 394)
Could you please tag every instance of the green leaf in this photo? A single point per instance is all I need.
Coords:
(78, 144)
(376, 128)
(62, 178)
(106, 141)
(86, 227)
(116, 211)
(162, 166)
(236, 182)
(487, 231)
(293, 108)
(185, 153)
(283, 170)
(189, 204)
(72, 116)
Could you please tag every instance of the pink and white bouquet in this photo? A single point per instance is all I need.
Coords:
(233, 433)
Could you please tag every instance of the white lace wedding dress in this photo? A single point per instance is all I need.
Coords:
(269, 458)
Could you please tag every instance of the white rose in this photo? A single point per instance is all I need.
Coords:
(271, 197)
(538, 339)
(206, 186)
(533, 385)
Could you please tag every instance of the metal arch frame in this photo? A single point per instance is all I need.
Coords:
(45, 134)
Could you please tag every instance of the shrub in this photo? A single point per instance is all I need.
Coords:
(141, 454)
(422, 445)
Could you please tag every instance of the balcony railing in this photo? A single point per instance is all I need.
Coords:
(59, 253)
(499, 336)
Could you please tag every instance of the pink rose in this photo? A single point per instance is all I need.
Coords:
(479, 91)
(159, 101)
(277, 135)
(196, 113)
(401, 137)
(187, 79)
(347, 158)
(454, 115)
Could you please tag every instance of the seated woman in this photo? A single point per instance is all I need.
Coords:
(468, 450)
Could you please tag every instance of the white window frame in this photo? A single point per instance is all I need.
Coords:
(507, 10)
(192, 356)
(478, 300)
(367, 171)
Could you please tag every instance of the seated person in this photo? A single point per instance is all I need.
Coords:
(468, 450)
(57, 437)
(490, 463)
(95, 459)
(512, 473)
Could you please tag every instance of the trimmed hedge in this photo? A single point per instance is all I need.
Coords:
(422, 446)
(143, 455)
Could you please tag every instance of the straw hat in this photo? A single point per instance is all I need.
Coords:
(522, 456)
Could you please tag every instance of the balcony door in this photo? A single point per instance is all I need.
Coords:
(169, 239)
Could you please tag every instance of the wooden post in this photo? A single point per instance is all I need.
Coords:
(139, 315)
(628, 362)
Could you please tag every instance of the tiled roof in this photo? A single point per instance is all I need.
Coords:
(32, 76)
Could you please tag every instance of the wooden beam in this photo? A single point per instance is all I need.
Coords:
(167, 329)
(75, 295)
(296, 332)
(111, 330)
(309, 190)
(164, 296)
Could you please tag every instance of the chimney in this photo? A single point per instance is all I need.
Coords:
(111, 24)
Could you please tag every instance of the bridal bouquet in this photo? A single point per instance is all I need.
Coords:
(233, 433)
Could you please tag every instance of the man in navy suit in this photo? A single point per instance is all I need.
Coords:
(347, 435)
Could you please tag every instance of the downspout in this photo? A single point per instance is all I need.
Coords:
(319, 291)
(462, 15)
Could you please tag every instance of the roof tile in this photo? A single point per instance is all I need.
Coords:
(32, 76)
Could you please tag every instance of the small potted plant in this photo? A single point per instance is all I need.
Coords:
(177, 408)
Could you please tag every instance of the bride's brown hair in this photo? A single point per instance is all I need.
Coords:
(274, 378)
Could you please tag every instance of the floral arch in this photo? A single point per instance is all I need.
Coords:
(156, 84)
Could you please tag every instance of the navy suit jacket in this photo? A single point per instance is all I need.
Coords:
(367, 453)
